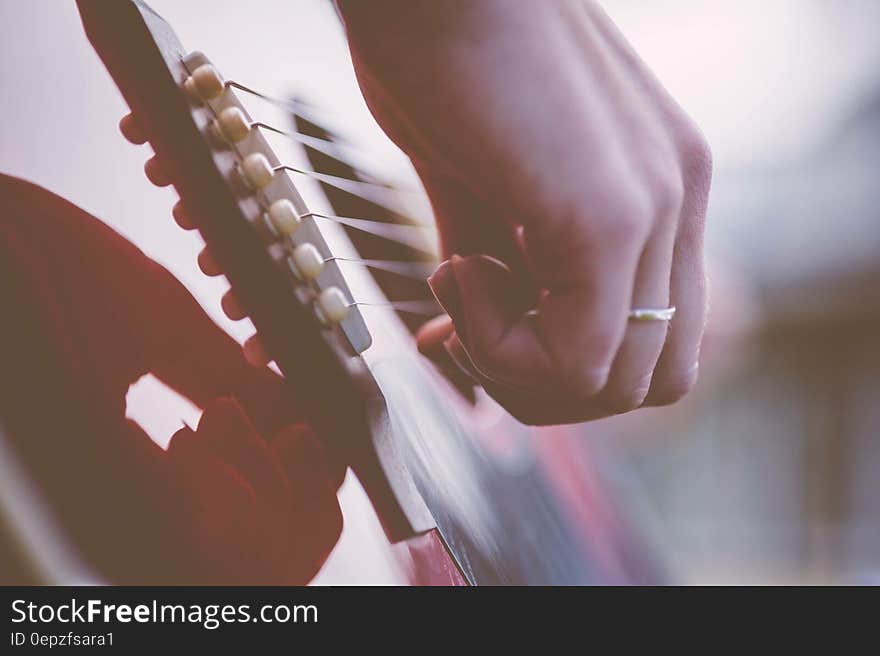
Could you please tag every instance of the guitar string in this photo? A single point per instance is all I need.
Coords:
(352, 157)
(414, 270)
(421, 238)
(409, 234)
(325, 146)
(426, 308)
(363, 188)
(379, 194)
(370, 191)
(333, 148)
(414, 236)
(304, 110)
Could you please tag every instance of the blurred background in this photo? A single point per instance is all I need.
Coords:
(770, 471)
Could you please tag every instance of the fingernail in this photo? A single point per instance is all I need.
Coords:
(592, 381)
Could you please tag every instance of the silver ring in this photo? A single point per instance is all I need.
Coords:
(652, 314)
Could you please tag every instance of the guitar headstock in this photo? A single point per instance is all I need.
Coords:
(270, 202)
(260, 234)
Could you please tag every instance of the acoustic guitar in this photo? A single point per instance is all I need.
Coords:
(335, 297)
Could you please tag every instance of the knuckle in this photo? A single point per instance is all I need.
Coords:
(612, 211)
(673, 388)
(623, 402)
(628, 398)
(628, 219)
(697, 154)
(623, 228)
(582, 379)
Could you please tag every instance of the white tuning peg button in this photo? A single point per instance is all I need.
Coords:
(307, 261)
(206, 82)
(233, 124)
(283, 217)
(256, 171)
(332, 305)
(189, 86)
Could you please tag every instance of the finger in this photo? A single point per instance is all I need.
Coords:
(572, 337)
(588, 266)
(321, 525)
(315, 507)
(632, 371)
(545, 406)
(216, 490)
(458, 354)
(678, 366)
(431, 341)
(240, 536)
(501, 299)
(467, 226)
(533, 406)
(317, 526)
(217, 512)
(304, 461)
(488, 281)
(191, 354)
(433, 333)
(226, 432)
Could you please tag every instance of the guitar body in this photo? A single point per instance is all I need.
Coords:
(464, 493)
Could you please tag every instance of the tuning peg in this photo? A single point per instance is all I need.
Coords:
(332, 306)
(255, 352)
(205, 82)
(306, 261)
(132, 130)
(256, 171)
(232, 125)
(282, 218)
(231, 307)
(208, 265)
(155, 173)
(180, 215)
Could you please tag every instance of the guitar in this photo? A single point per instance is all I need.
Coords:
(417, 443)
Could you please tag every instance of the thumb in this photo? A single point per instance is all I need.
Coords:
(490, 310)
